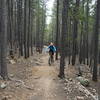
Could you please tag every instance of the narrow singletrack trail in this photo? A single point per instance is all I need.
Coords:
(47, 86)
(36, 80)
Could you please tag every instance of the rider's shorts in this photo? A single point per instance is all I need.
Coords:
(51, 52)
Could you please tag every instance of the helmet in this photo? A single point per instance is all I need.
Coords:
(51, 43)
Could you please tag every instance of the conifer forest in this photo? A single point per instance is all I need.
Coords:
(49, 50)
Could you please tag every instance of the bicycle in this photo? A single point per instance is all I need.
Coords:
(51, 59)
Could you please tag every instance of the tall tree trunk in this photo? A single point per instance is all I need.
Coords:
(87, 31)
(10, 26)
(75, 32)
(81, 53)
(38, 27)
(97, 27)
(25, 26)
(81, 45)
(29, 24)
(3, 38)
(19, 25)
(64, 36)
(57, 30)
(43, 25)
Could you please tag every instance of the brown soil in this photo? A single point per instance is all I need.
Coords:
(41, 81)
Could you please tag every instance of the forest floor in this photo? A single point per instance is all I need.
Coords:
(34, 79)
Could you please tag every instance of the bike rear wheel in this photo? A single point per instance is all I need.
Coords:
(50, 60)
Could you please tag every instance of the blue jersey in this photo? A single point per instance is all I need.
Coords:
(52, 48)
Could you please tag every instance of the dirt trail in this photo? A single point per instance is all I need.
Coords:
(41, 81)
(48, 86)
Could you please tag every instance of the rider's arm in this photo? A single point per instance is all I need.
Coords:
(47, 49)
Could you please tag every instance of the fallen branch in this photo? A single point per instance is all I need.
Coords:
(23, 84)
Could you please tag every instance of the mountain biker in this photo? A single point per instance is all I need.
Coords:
(52, 50)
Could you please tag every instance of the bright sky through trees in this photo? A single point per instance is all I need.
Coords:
(49, 10)
(49, 6)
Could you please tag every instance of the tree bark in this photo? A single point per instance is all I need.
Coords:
(63, 36)
(3, 39)
(75, 32)
(97, 27)
(57, 30)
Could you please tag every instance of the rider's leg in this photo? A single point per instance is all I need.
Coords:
(49, 61)
(53, 56)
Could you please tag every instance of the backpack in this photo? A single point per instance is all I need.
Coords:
(52, 48)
